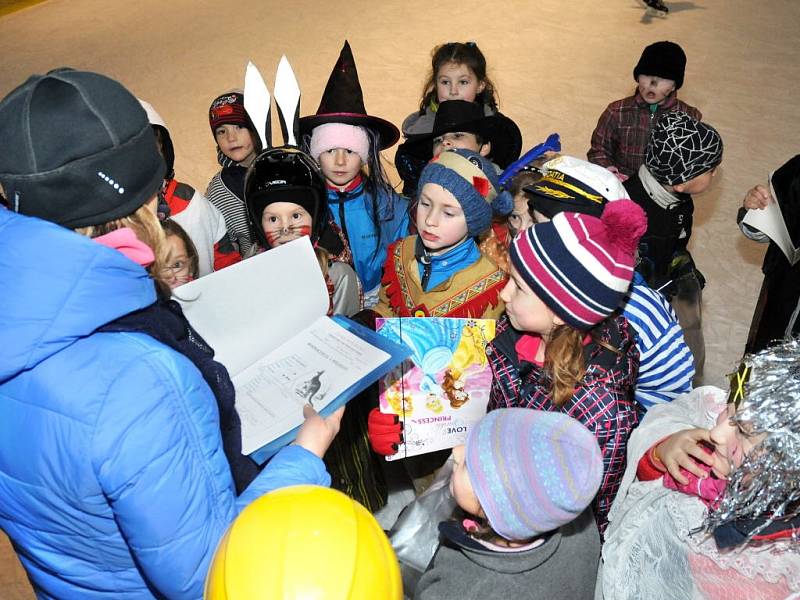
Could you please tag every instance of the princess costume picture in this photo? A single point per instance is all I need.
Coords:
(443, 388)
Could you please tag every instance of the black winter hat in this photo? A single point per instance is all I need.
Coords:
(682, 148)
(662, 59)
(76, 149)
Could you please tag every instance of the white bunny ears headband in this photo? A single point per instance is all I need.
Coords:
(257, 103)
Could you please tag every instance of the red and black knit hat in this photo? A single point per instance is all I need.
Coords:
(228, 109)
(343, 102)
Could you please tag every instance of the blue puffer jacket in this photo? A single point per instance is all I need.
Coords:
(113, 482)
(352, 211)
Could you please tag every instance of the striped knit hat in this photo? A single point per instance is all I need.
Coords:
(532, 471)
(578, 265)
(228, 109)
(472, 179)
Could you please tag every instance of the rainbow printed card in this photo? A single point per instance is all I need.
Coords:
(443, 389)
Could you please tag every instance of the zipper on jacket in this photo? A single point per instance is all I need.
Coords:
(342, 196)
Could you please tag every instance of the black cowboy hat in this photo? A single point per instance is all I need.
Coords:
(460, 115)
(343, 102)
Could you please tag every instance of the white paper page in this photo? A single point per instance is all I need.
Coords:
(316, 366)
(770, 221)
(248, 309)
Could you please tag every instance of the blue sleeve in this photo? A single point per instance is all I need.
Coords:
(293, 465)
(666, 365)
(158, 456)
(396, 226)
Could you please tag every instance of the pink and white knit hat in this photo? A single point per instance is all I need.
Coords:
(581, 266)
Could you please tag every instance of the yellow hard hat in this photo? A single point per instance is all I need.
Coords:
(304, 542)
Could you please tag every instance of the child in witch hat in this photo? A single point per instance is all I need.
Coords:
(619, 141)
(346, 142)
(462, 124)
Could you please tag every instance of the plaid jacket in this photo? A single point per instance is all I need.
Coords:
(623, 131)
(603, 399)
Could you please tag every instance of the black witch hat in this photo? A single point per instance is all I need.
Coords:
(343, 102)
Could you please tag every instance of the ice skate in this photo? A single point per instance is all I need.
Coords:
(657, 5)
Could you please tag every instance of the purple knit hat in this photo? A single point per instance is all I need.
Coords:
(532, 471)
(578, 265)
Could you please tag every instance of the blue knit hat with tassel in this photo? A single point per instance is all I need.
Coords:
(473, 180)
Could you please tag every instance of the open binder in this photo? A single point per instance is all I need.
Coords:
(266, 319)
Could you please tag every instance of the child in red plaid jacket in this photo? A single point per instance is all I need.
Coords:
(619, 141)
(560, 348)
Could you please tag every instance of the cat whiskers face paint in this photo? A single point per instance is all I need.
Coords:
(285, 221)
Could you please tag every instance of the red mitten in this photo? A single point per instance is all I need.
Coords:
(385, 432)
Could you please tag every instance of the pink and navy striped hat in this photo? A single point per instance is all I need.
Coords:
(532, 471)
(581, 266)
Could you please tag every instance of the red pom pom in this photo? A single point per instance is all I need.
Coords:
(481, 185)
(625, 223)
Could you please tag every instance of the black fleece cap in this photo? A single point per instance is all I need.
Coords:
(76, 149)
(662, 59)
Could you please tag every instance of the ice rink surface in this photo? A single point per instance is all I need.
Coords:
(556, 65)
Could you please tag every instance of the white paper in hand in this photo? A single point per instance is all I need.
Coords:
(248, 309)
(769, 221)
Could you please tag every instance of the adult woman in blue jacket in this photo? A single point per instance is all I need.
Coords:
(113, 478)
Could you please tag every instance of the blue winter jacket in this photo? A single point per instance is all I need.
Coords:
(113, 482)
(352, 212)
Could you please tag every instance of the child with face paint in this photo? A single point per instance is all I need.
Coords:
(286, 199)
(723, 462)
(528, 525)
(619, 141)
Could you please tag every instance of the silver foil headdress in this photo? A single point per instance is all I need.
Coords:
(766, 486)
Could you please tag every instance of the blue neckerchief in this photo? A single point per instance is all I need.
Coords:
(442, 267)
